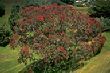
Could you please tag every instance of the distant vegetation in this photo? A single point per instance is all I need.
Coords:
(4, 28)
(4, 35)
(100, 8)
(2, 9)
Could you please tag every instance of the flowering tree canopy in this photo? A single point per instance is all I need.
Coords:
(56, 32)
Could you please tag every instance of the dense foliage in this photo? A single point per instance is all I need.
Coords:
(2, 9)
(105, 22)
(69, 1)
(14, 15)
(59, 33)
(100, 8)
(4, 35)
(4, 30)
(24, 3)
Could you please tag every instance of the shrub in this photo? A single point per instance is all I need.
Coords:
(105, 23)
(4, 30)
(68, 1)
(39, 2)
(100, 8)
(59, 33)
(14, 15)
(4, 35)
(34, 2)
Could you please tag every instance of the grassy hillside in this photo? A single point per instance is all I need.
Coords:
(83, 9)
(8, 60)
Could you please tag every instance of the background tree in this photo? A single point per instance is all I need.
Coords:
(69, 1)
(4, 35)
(4, 28)
(100, 8)
(2, 9)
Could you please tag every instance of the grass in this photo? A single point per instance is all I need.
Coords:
(83, 9)
(8, 60)
(107, 44)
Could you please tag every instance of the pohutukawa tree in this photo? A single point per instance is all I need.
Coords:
(59, 33)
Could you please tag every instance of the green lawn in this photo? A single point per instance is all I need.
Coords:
(107, 44)
(8, 60)
(83, 9)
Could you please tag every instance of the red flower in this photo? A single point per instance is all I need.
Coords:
(102, 40)
(54, 12)
(38, 31)
(62, 17)
(25, 50)
(90, 21)
(61, 49)
(88, 31)
(40, 18)
(62, 33)
(50, 36)
(54, 4)
(47, 7)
